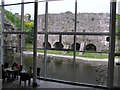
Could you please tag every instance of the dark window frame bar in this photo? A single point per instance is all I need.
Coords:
(22, 29)
(2, 35)
(61, 33)
(26, 3)
(59, 49)
(112, 29)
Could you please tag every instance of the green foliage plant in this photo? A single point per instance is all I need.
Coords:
(16, 21)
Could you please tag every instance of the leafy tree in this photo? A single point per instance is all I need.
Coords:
(28, 25)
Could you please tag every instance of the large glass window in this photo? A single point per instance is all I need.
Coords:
(72, 39)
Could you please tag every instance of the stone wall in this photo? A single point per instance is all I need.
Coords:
(86, 22)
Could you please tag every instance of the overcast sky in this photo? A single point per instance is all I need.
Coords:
(95, 6)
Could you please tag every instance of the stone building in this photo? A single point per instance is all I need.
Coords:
(64, 22)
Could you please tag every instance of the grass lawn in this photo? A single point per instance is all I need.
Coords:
(69, 53)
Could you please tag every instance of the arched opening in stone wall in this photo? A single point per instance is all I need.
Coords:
(58, 45)
(48, 45)
(90, 47)
(107, 39)
(77, 46)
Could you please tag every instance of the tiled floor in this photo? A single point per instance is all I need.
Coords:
(45, 85)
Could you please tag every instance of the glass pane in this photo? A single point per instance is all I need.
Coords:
(40, 62)
(61, 18)
(13, 10)
(29, 13)
(11, 2)
(41, 17)
(60, 66)
(11, 48)
(40, 51)
(28, 42)
(28, 61)
(93, 16)
(90, 66)
(60, 63)
(92, 60)
(117, 63)
(13, 18)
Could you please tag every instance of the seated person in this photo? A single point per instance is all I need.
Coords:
(15, 65)
(17, 68)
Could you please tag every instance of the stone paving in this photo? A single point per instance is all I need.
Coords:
(45, 84)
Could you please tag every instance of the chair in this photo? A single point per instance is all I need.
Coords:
(38, 72)
(24, 77)
(5, 75)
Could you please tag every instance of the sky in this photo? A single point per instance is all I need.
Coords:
(84, 6)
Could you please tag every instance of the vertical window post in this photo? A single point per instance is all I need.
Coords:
(45, 38)
(2, 35)
(22, 28)
(75, 27)
(112, 28)
(35, 44)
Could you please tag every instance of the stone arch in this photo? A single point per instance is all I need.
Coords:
(58, 45)
(77, 46)
(107, 39)
(90, 47)
(48, 45)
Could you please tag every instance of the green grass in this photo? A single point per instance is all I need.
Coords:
(94, 55)
(28, 46)
(69, 53)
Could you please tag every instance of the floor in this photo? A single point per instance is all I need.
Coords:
(43, 85)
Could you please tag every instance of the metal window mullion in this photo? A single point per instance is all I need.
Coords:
(22, 28)
(77, 33)
(17, 32)
(18, 3)
(60, 33)
(2, 35)
(22, 3)
(27, 3)
(45, 39)
(74, 56)
(35, 44)
(111, 44)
